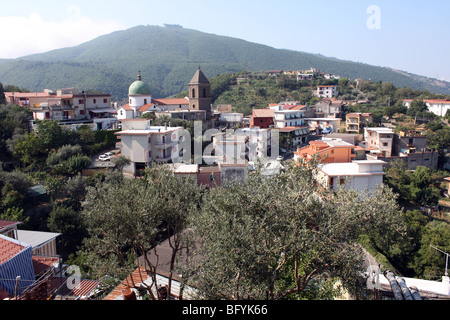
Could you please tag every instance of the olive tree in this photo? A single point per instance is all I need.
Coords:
(126, 219)
(284, 236)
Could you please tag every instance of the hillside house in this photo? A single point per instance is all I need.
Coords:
(331, 151)
(68, 106)
(32, 255)
(356, 122)
(380, 139)
(326, 91)
(287, 117)
(144, 144)
(358, 175)
(329, 108)
(437, 106)
(262, 118)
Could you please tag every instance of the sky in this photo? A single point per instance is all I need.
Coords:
(408, 35)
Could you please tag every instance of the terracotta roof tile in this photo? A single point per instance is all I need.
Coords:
(41, 263)
(8, 249)
(139, 275)
(263, 113)
(170, 101)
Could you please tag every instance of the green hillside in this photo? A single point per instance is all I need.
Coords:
(168, 57)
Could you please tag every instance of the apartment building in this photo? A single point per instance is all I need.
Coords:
(64, 104)
(144, 144)
(360, 175)
(380, 139)
(326, 91)
(284, 117)
(356, 122)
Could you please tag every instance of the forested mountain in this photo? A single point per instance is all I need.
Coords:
(168, 57)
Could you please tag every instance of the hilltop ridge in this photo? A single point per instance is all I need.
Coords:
(168, 56)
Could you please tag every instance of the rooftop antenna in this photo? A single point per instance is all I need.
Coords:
(446, 259)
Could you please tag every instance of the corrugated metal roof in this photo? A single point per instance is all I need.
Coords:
(35, 238)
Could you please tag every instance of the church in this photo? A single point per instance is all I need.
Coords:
(197, 106)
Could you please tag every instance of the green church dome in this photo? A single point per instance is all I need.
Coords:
(139, 87)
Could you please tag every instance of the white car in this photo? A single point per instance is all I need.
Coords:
(105, 157)
(280, 158)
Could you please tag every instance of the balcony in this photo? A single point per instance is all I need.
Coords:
(163, 143)
(163, 158)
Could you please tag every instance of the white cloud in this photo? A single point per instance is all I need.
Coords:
(27, 35)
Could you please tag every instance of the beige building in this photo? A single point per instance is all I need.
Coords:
(144, 144)
(355, 122)
(381, 139)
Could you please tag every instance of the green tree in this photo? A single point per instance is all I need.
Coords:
(76, 190)
(429, 262)
(279, 238)
(76, 163)
(68, 222)
(50, 134)
(14, 214)
(128, 218)
(421, 189)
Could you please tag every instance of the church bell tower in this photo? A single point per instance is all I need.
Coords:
(200, 93)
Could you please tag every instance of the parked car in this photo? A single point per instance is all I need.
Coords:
(105, 157)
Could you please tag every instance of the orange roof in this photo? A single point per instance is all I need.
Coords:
(289, 129)
(298, 107)
(41, 263)
(27, 94)
(8, 249)
(126, 107)
(170, 101)
(145, 107)
(138, 276)
(263, 113)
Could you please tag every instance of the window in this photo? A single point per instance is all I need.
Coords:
(105, 100)
(95, 100)
(341, 181)
(193, 93)
(80, 101)
(145, 101)
(204, 92)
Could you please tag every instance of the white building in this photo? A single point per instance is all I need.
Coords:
(284, 118)
(140, 101)
(326, 91)
(68, 106)
(144, 144)
(304, 76)
(379, 138)
(231, 118)
(358, 175)
(436, 106)
(241, 145)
